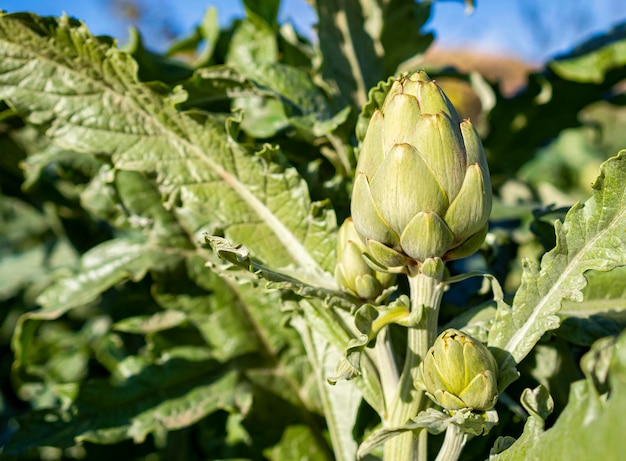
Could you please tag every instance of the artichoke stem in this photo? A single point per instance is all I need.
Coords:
(453, 444)
(426, 292)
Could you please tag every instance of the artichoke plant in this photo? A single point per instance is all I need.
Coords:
(460, 372)
(352, 274)
(422, 188)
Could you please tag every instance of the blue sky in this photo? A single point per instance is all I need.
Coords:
(532, 30)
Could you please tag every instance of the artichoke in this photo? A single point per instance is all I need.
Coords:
(460, 372)
(352, 274)
(422, 188)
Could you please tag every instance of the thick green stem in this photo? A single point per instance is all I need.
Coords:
(426, 293)
(453, 444)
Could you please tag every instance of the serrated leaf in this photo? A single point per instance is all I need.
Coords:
(592, 237)
(94, 103)
(238, 321)
(217, 83)
(238, 257)
(329, 323)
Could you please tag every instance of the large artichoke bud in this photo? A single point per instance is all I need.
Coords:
(460, 372)
(422, 188)
(353, 275)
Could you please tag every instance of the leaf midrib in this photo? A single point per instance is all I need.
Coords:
(537, 311)
(293, 246)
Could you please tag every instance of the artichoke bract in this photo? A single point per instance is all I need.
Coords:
(352, 274)
(422, 187)
(459, 372)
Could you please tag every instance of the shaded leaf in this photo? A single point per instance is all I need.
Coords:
(518, 126)
(591, 61)
(207, 33)
(296, 443)
(168, 396)
(363, 42)
(602, 311)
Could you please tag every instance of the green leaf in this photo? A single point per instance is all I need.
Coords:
(100, 268)
(340, 403)
(272, 96)
(351, 62)
(592, 237)
(369, 320)
(160, 397)
(28, 256)
(253, 42)
(435, 422)
(207, 32)
(151, 323)
(217, 83)
(602, 311)
(94, 103)
(67, 169)
(335, 327)
(238, 257)
(589, 426)
(246, 329)
(297, 442)
(363, 42)
(153, 66)
(262, 10)
(521, 124)
(591, 61)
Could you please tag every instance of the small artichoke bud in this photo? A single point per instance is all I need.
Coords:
(459, 372)
(352, 273)
(422, 187)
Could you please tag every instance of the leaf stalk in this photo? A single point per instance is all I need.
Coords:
(453, 443)
(426, 290)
